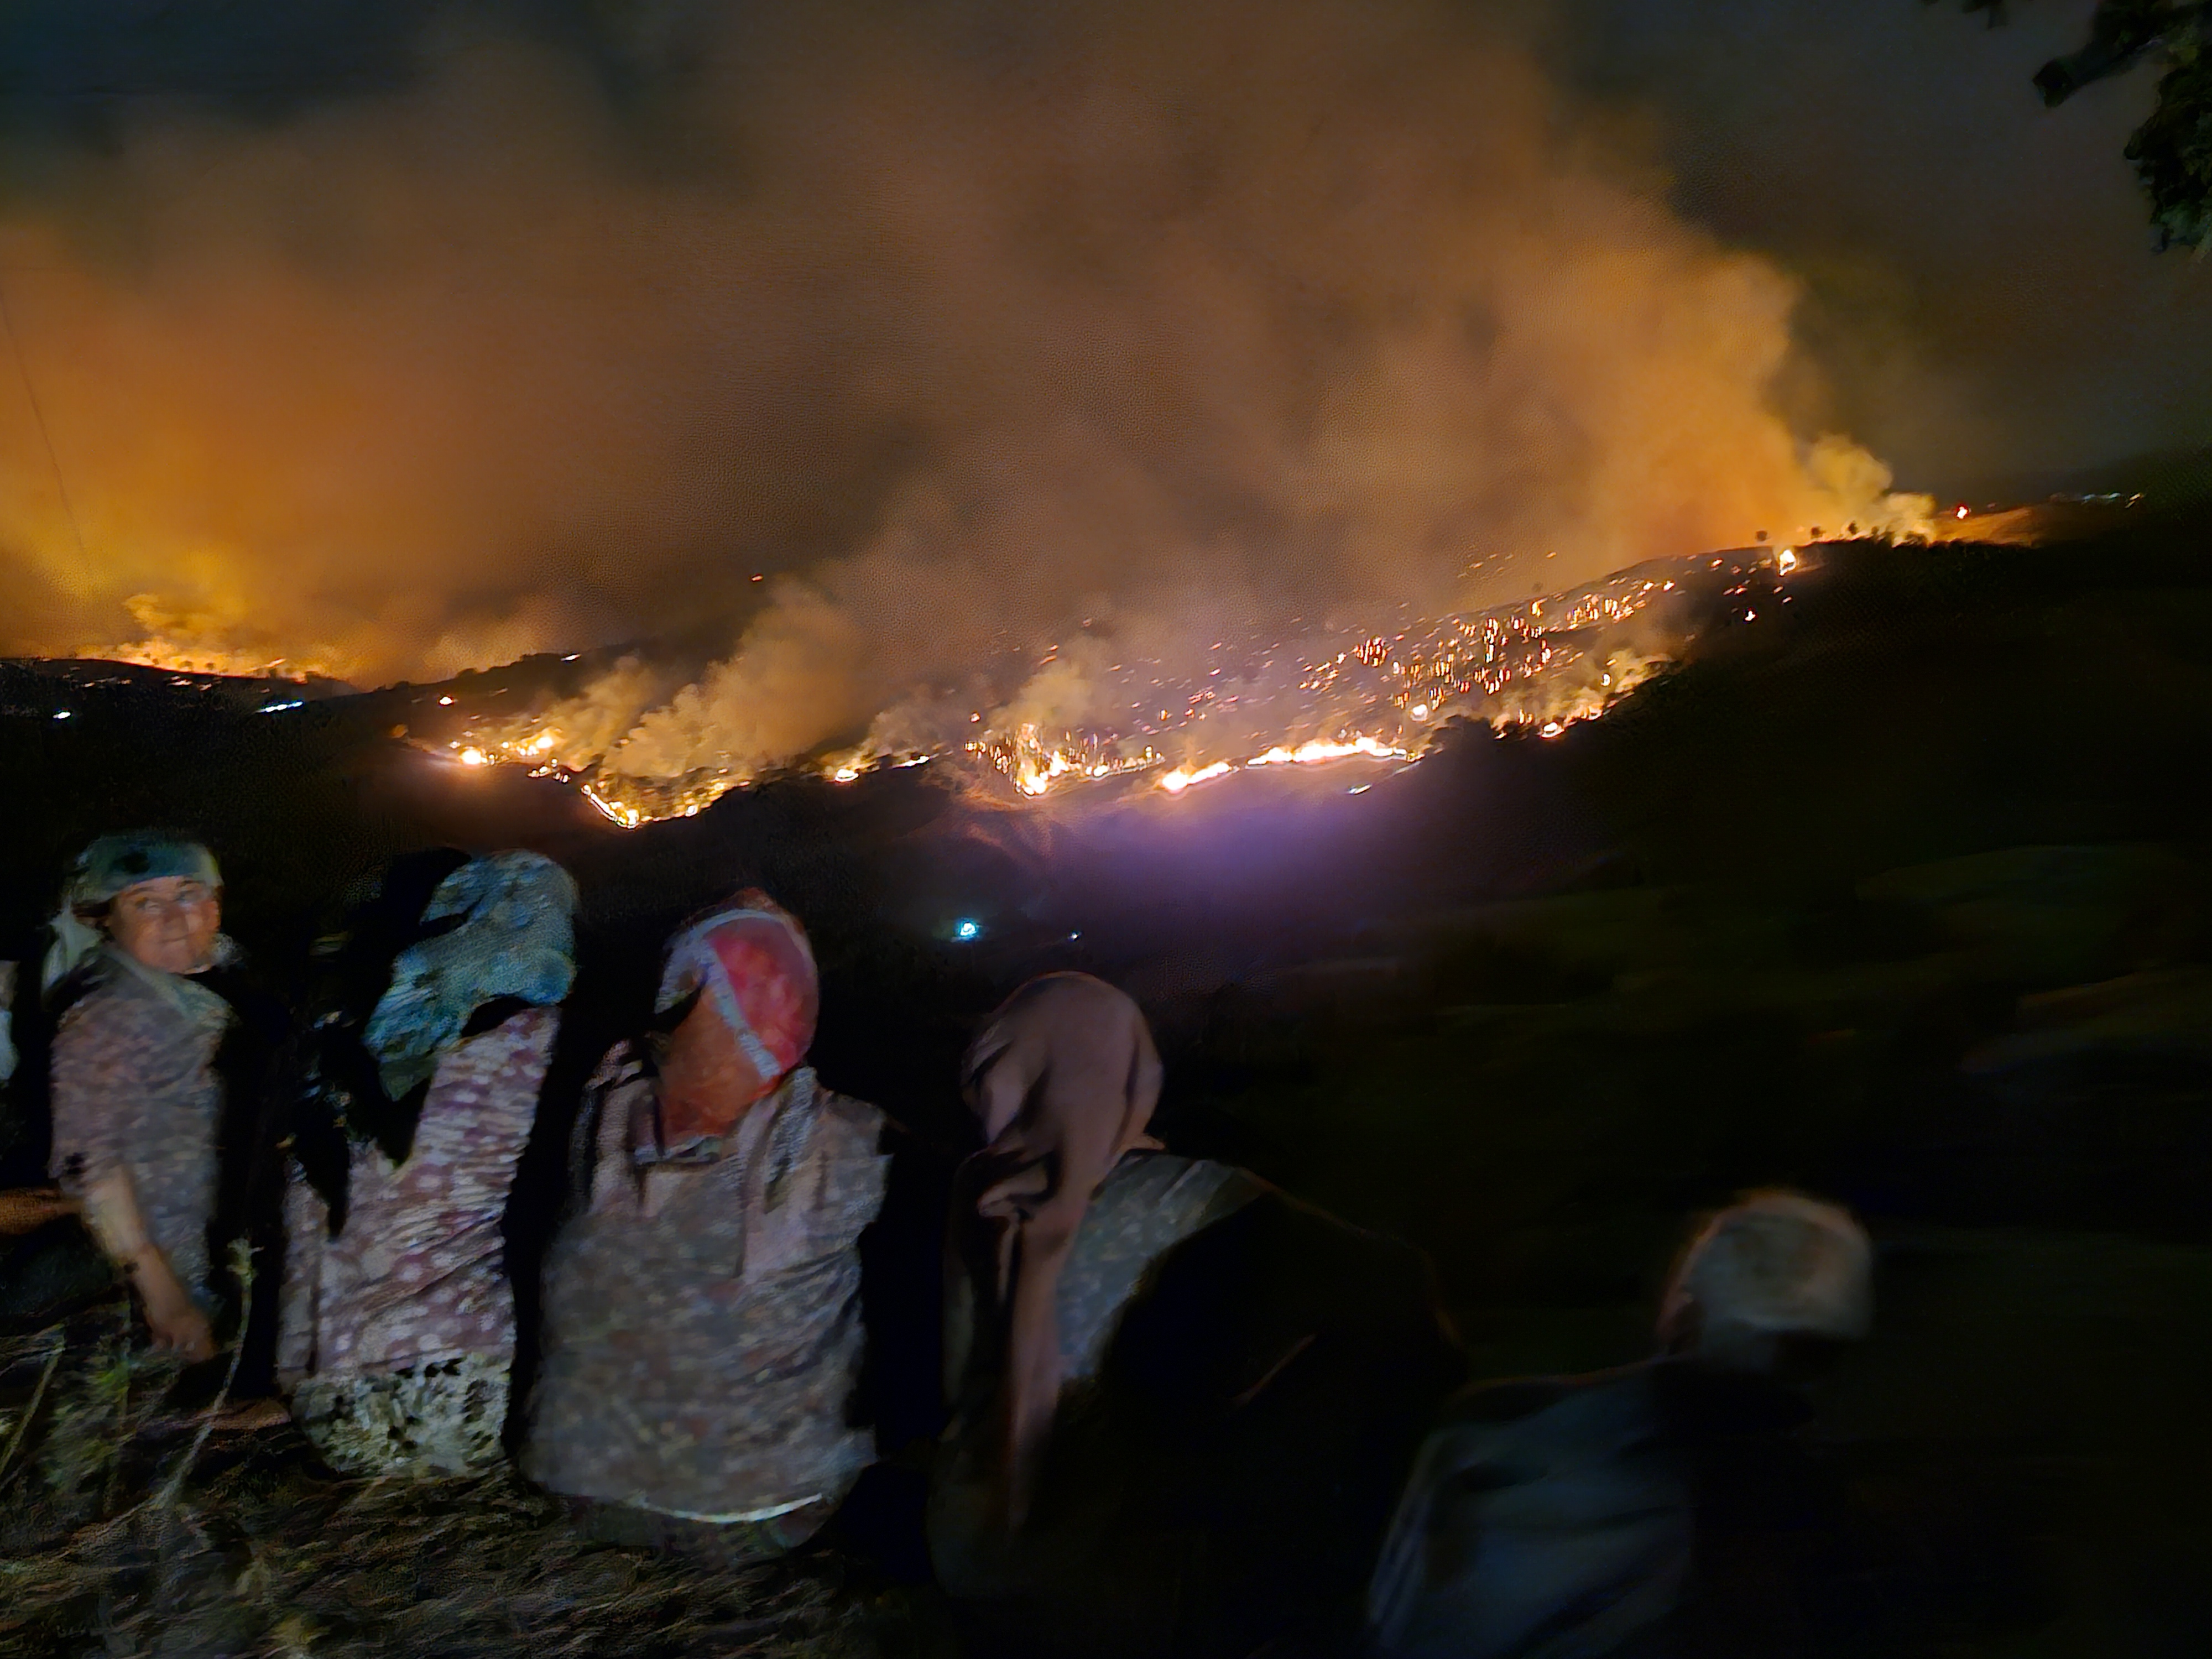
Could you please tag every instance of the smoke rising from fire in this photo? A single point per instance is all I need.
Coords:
(882, 355)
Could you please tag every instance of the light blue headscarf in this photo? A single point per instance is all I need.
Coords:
(516, 939)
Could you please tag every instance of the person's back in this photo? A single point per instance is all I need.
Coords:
(679, 1377)
(1269, 1387)
(1229, 1384)
(1547, 1517)
(397, 1326)
(1571, 1518)
(701, 1309)
(1148, 1205)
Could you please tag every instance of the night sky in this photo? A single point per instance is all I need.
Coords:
(1983, 293)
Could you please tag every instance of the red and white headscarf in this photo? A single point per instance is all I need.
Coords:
(750, 961)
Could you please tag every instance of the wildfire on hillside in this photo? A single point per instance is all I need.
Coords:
(186, 658)
(1371, 696)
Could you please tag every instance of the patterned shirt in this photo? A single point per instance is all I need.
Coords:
(135, 1089)
(703, 1321)
(419, 1272)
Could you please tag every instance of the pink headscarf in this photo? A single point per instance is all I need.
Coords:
(1064, 1078)
(749, 962)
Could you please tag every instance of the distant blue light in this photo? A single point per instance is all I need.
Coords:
(967, 929)
(279, 707)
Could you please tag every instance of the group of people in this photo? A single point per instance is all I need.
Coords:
(1180, 1411)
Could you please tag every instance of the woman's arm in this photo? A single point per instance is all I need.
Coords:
(22, 1209)
(110, 1210)
(98, 1057)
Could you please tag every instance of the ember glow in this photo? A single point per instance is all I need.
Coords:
(1352, 694)
(190, 659)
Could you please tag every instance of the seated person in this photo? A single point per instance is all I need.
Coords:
(1606, 1514)
(703, 1332)
(46, 1262)
(1183, 1403)
(27, 1205)
(137, 1100)
(397, 1324)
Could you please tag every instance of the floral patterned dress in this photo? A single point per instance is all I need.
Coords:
(396, 1336)
(135, 1091)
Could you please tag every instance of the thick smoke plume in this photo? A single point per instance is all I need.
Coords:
(884, 354)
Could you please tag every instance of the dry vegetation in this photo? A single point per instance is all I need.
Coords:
(129, 1527)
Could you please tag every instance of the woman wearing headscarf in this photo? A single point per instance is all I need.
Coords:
(703, 1334)
(137, 1101)
(397, 1326)
(1182, 1400)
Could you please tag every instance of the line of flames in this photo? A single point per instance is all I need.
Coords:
(1442, 671)
(1035, 768)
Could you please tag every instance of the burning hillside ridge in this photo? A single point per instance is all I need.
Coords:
(876, 350)
(1101, 707)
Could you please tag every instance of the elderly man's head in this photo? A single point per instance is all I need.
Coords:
(1777, 1272)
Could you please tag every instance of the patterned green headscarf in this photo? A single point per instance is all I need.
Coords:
(516, 939)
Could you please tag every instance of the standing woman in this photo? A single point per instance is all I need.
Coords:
(138, 1102)
(397, 1333)
(702, 1304)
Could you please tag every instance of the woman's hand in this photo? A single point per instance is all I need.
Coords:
(178, 1325)
(111, 1207)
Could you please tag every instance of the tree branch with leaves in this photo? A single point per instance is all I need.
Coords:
(2172, 150)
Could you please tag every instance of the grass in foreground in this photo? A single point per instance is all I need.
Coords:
(127, 1527)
